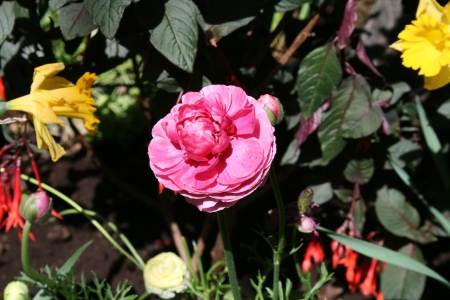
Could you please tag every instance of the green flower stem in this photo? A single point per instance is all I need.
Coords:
(189, 259)
(90, 215)
(278, 251)
(26, 265)
(228, 255)
(296, 261)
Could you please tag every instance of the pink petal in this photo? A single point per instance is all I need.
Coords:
(191, 97)
(163, 153)
(246, 156)
(244, 120)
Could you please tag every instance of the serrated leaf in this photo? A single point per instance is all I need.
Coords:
(75, 21)
(176, 36)
(384, 254)
(359, 170)
(398, 216)
(322, 192)
(359, 214)
(351, 115)
(400, 283)
(344, 195)
(318, 74)
(287, 5)
(107, 14)
(6, 19)
(54, 5)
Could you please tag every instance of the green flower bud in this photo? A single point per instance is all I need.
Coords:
(273, 108)
(305, 200)
(36, 207)
(16, 290)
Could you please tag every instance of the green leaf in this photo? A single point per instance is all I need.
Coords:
(6, 19)
(407, 180)
(400, 283)
(359, 214)
(287, 5)
(398, 216)
(107, 14)
(224, 29)
(351, 115)
(75, 21)
(387, 255)
(404, 152)
(291, 155)
(68, 265)
(319, 73)
(54, 5)
(399, 88)
(359, 170)
(176, 36)
(435, 145)
(167, 83)
(322, 192)
(344, 195)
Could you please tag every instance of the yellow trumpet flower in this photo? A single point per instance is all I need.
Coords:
(54, 96)
(426, 43)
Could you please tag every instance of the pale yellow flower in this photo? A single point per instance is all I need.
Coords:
(16, 290)
(426, 43)
(163, 275)
(52, 97)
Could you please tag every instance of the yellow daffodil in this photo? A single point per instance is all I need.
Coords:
(52, 97)
(426, 43)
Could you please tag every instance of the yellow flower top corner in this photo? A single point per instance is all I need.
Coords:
(425, 44)
(52, 97)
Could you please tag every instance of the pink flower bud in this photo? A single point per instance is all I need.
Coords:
(273, 108)
(306, 225)
(36, 207)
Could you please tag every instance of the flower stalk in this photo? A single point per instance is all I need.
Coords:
(228, 255)
(281, 241)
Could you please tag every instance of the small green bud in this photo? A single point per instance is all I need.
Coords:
(273, 108)
(16, 290)
(36, 207)
(305, 200)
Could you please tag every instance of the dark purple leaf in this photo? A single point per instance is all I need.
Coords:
(362, 55)
(348, 24)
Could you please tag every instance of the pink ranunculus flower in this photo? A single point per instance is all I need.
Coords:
(214, 148)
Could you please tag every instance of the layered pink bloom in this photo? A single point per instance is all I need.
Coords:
(214, 148)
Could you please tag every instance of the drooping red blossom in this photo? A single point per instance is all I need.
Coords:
(314, 252)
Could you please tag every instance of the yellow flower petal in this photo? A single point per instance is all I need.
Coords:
(43, 72)
(430, 8)
(45, 140)
(426, 45)
(397, 46)
(52, 97)
(438, 81)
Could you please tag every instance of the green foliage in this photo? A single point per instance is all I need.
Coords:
(400, 283)
(6, 19)
(318, 75)
(75, 21)
(287, 5)
(176, 36)
(107, 14)
(359, 171)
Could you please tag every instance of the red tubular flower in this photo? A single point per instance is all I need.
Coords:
(2, 90)
(315, 252)
(351, 274)
(369, 285)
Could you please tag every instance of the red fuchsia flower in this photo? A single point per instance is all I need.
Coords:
(214, 148)
(273, 108)
(314, 252)
(369, 285)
